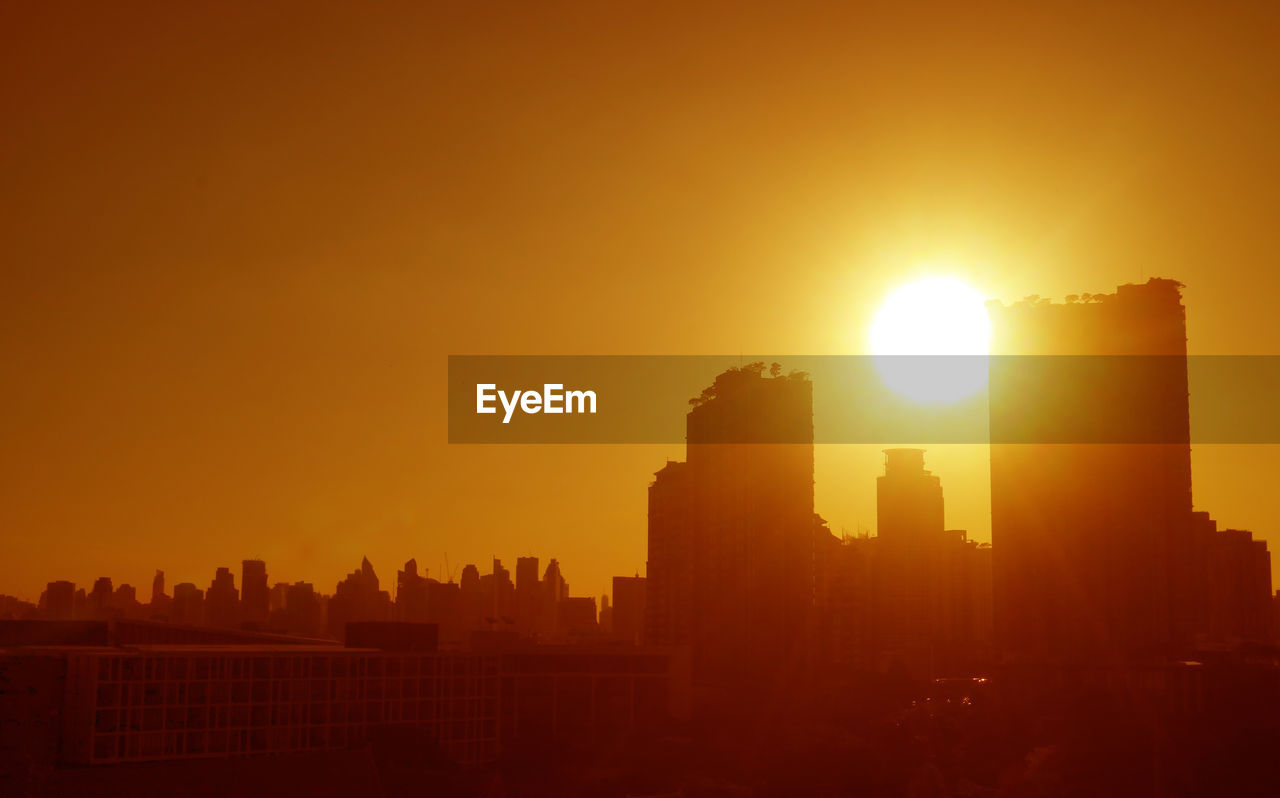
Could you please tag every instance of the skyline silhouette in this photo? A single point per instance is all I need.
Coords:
(1102, 590)
(639, 400)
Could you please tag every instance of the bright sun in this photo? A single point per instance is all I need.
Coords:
(941, 317)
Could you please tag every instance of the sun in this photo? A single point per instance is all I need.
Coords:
(930, 340)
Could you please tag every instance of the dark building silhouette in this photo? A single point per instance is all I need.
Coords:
(100, 598)
(358, 598)
(554, 589)
(222, 601)
(499, 594)
(470, 597)
(910, 527)
(577, 616)
(1095, 545)
(188, 604)
(59, 600)
(528, 594)
(669, 607)
(411, 594)
(605, 615)
(1087, 529)
(1230, 580)
(255, 598)
(161, 604)
(627, 613)
(444, 608)
(917, 596)
(743, 524)
(301, 612)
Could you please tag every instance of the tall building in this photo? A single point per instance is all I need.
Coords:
(1231, 580)
(669, 608)
(743, 524)
(161, 605)
(499, 597)
(577, 616)
(255, 595)
(411, 593)
(628, 610)
(100, 597)
(302, 613)
(222, 601)
(527, 593)
(917, 595)
(188, 604)
(909, 519)
(358, 598)
(1091, 473)
(60, 600)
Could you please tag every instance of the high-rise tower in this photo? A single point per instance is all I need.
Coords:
(731, 530)
(1090, 473)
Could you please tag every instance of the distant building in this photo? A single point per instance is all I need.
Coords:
(917, 595)
(99, 598)
(188, 604)
(358, 598)
(670, 602)
(60, 600)
(411, 594)
(1231, 581)
(528, 594)
(222, 601)
(910, 529)
(499, 594)
(161, 604)
(302, 612)
(577, 616)
(628, 610)
(255, 597)
(731, 553)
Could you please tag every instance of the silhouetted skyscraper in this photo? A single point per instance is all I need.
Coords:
(1091, 473)
(577, 616)
(255, 597)
(99, 598)
(60, 600)
(358, 598)
(527, 593)
(499, 597)
(669, 609)
(749, 523)
(188, 604)
(160, 606)
(411, 593)
(628, 610)
(909, 521)
(222, 600)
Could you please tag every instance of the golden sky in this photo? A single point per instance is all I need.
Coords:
(239, 243)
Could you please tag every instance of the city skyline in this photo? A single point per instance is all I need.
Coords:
(650, 399)
(230, 304)
(1123, 562)
(1104, 589)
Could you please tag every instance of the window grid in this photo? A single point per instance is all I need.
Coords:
(148, 705)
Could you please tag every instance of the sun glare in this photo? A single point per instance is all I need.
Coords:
(930, 340)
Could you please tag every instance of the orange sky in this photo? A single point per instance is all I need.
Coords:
(238, 246)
